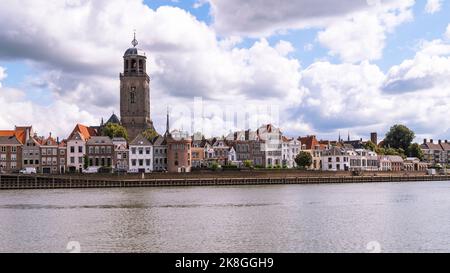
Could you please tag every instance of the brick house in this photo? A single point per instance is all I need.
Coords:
(179, 152)
(100, 151)
(10, 154)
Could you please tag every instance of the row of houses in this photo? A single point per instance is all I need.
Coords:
(177, 151)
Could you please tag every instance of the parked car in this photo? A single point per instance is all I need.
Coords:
(28, 170)
(91, 169)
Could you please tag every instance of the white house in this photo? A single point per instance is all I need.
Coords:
(232, 157)
(363, 160)
(336, 159)
(271, 144)
(76, 150)
(290, 149)
(140, 155)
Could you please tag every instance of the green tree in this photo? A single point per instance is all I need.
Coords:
(248, 163)
(303, 159)
(86, 162)
(415, 151)
(150, 134)
(115, 130)
(370, 146)
(399, 136)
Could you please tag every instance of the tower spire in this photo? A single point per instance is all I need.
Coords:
(134, 42)
(167, 123)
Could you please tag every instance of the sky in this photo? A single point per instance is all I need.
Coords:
(320, 67)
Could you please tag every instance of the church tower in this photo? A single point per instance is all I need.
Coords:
(135, 92)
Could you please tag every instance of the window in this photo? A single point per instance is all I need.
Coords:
(147, 151)
(80, 149)
(133, 162)
(80, 160)
(141, 162)
(13, 157)
(133, 95)
(133, 151)
(141, 151)
(36, 162)
(108, 150)
(3, 149)
(25, 162)
(72, 160)
(13, 149)
(72, 149)
(148, 162)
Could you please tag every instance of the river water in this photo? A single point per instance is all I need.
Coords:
(393, 217)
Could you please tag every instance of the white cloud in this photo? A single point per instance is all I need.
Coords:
(433, 6)
(362, 35)
(79, 61)
(2, 75)
(59, 117)
(447, 33)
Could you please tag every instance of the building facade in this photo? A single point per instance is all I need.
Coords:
(179, 152)
(100, 151)
(141, 155)
(49, 156)
(10, 154)
(121, 154)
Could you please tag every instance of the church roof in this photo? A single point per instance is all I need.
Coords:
(113, 119)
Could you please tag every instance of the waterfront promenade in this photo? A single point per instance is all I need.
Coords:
(13, 182)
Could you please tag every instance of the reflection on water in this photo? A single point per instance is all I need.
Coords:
(402, 217)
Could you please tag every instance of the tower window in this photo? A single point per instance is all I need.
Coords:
(133, 95)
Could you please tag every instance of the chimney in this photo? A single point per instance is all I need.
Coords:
(431, 141)
(446, 141)
(439, 141)
(374, 138)
(57, 140)
(424, 141)
(27, 137)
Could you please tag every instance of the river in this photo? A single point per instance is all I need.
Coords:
(395, 217)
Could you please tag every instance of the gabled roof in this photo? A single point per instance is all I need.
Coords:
(445, 146)
(100, 140)
(9, 140)
(85, 131)
(18, 133)
(159, 141)
(113, 119)
(140, 140)
(430, 146)
(49, 141)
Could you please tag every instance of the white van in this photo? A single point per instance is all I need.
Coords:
(28, 170)
(91, 170)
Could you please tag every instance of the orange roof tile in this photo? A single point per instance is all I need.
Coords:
(19, 134)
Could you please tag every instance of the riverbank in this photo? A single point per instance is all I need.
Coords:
(14, 182)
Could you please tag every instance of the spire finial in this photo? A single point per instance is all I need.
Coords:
(134, 42)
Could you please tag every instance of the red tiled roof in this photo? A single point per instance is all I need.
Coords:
(85, 131)
(19, 134)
